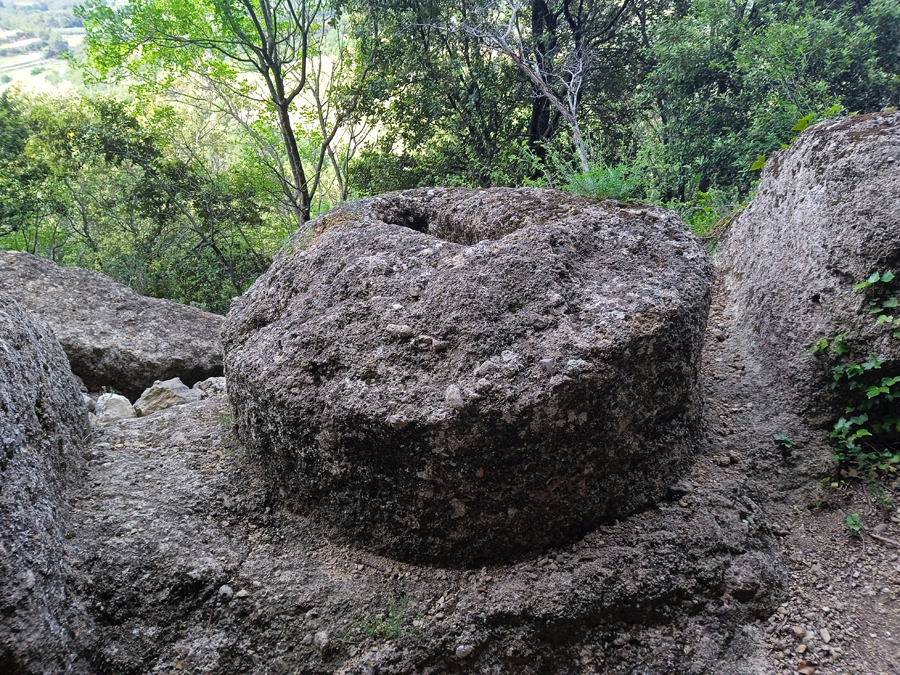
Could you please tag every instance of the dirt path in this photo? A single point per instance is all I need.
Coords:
(839, 612)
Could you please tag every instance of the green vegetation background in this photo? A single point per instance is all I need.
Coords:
(165, 175)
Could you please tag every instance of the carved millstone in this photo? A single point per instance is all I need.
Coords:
(466, 376)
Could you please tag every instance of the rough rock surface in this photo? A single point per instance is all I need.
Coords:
(43, 423)
(470, 375)
(826, 215)
(111, 408)
(210, 387)
(164, 395)
(184, 565)
(113, 336)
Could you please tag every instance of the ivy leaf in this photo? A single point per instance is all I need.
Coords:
(819, 347)
(884, 318)
(803, 123)
(873, 363)
(759, 163)
(886, 277)
(890, 302)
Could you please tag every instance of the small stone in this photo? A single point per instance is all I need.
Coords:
(681, 488)
(307, 639)
(423, 342)
(111, 408)
(399, 330)
(800, 649)
(799, 631)
(826, 636)
(483, 386)
(243, 593)
(464, 651)
(322, 641)
(312, 614)
(164, 395)
(453, 397)
(226, 592)
(549, 366)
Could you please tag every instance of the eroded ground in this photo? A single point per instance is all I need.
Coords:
(183, 565)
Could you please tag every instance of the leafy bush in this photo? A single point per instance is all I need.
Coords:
(606, 182)
(867, 437)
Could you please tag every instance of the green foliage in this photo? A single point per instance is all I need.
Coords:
(613, 182)
(732, 79)
(853, 524)
(867, 437)
(143, 197)
(387, 626)
(783, 440)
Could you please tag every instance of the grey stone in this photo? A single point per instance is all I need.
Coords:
(824, 218)
(113, 336)
(322, 641)
(212, 386)
(464, 651)
(681, 488)
(89, 402)
(164, 395)
(111, 408)
(559, 455)
(43, 424)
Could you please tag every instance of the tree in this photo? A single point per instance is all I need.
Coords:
(555, 50)
(732, 78)
(255, 51)
(157, 200)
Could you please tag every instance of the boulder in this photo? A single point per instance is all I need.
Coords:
(43, 423)
(164, 395)
(212, 386)
(463, 376)
(825, 217)
(110, 408)
(113, 336)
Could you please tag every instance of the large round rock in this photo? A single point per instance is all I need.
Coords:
(462, 376)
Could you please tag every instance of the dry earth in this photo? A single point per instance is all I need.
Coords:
(185, 566)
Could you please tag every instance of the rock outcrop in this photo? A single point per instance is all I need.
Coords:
(113, 336)
(825, 217)
(464, 376)
(43, 423)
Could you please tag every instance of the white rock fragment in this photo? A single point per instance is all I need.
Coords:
(111, 408)
(453, 397)
(464, 651)
(211, 386)
(164, 395)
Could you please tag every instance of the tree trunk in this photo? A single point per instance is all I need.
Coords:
(301, 205)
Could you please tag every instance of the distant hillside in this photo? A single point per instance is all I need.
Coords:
(33, 35)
